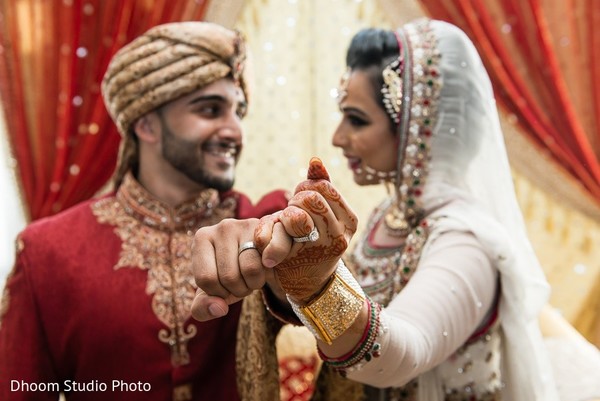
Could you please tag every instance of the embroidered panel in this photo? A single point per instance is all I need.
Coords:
(384, 272)
(166, 255)
(473, 371)
(256, 357)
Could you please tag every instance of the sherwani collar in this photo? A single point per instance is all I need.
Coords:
(143, 206)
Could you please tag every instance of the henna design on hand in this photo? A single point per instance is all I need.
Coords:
(301, 221)
(332, 196)
(316, 170)
(265, 224)
(306, 273)
(310, 265)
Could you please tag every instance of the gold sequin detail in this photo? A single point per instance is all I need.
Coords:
(256, 358)
(468, 396)
(183, 392)
(153, 240)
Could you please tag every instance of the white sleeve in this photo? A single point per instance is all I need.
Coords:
(442, 305)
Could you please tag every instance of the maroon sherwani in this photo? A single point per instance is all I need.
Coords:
(98, 304)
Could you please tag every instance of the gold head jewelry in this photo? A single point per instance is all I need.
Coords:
(392, 89)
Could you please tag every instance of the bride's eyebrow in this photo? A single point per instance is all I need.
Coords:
(354, 110)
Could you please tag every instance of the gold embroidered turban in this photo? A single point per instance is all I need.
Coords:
(167, 62)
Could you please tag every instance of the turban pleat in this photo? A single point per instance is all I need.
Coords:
(166, 63)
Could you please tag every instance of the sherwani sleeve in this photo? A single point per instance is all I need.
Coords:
(444, 303)
(24, 353)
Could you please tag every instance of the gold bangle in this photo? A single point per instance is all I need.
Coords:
(334, 310)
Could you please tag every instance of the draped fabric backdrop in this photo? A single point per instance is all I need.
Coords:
(53, 56)
(543, 57)
(544, 61)
(12, 217)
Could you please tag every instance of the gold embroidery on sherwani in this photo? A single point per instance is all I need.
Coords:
(183, 392)
(331, 386)
(256, 359)
(158, 239)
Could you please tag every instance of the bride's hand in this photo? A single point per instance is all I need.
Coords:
(303, 269)
(226, 271)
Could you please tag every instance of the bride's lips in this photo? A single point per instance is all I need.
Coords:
(354, 163)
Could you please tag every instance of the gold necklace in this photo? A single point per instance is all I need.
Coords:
(395, 221)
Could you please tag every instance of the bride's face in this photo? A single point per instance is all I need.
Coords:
(365, 133)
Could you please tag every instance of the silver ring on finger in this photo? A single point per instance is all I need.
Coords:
(311, 237)
(245, 246)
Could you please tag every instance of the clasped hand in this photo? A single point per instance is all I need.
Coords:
(299, 269)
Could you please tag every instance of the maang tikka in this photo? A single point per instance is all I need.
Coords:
(392, 85)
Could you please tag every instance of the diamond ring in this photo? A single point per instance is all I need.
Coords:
(245, 246)
(311, 237)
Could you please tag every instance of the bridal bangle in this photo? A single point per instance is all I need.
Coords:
(334, 310)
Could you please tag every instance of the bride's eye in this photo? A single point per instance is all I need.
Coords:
(356, 121)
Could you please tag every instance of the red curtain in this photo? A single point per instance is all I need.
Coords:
(53, 54)
(544, 61)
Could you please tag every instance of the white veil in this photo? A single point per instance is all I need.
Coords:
(469, 162)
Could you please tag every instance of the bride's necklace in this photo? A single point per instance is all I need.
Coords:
(399, 222)
(382, 176)
(395, 221)
(384, 271)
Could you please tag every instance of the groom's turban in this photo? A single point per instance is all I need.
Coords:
(167, 62)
